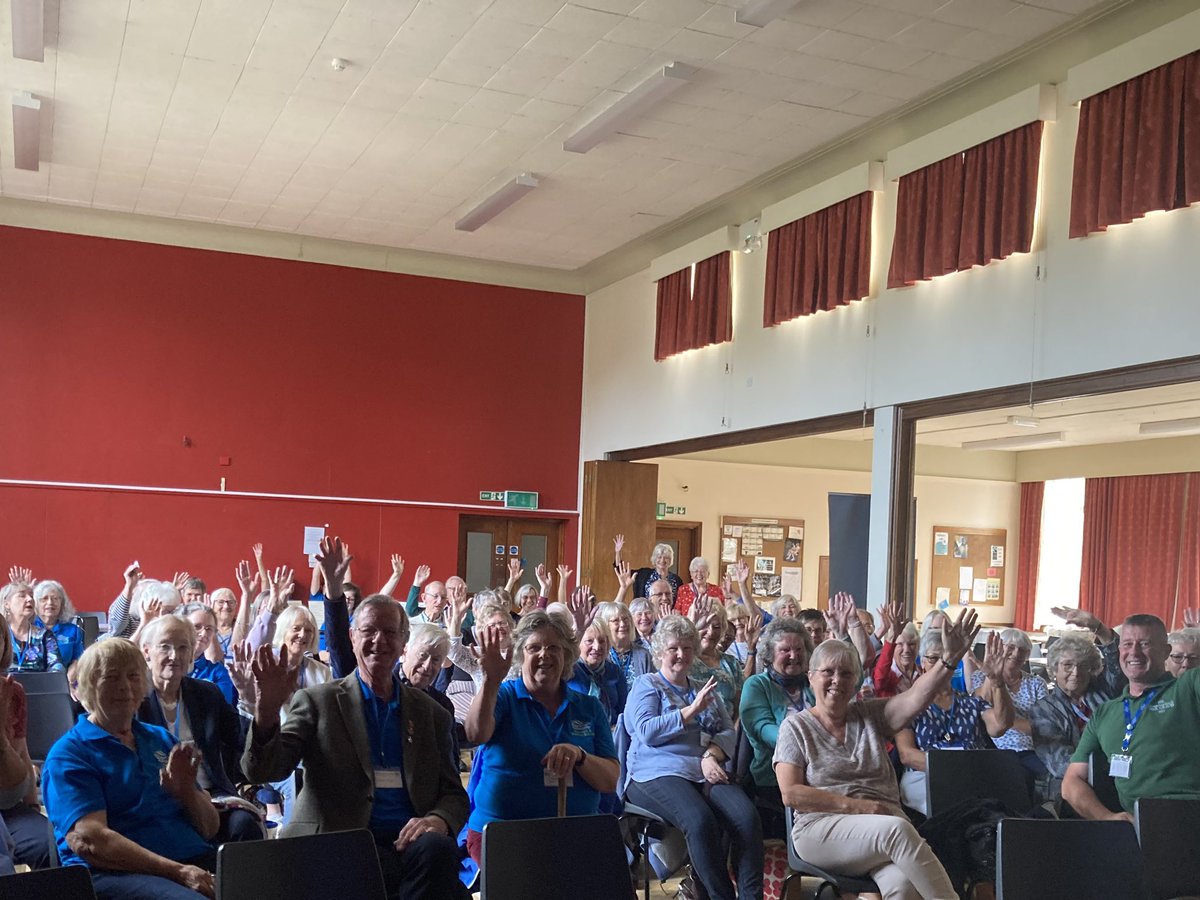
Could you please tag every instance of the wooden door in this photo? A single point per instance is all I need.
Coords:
(618, 498)
(685, 540)
(486, 543)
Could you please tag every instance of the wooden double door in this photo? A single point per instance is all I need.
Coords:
(487, 543)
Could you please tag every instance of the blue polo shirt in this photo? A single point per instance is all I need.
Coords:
(89, 770)
(70, 641)
(205, 669)
(392, 806)
(510, 784)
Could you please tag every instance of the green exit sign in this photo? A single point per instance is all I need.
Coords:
(664, 510)
(520, 500)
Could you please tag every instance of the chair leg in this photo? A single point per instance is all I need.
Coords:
(646, 862)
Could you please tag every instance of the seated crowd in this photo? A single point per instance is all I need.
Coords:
(222, 716)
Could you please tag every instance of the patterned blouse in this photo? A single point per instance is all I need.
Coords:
(957, 728)
(729, 680)
(1032, 690)
(37, 654)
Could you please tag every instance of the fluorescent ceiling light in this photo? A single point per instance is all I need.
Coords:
(1016, 442)
(632, 106)
(497, 203)
(759, 12)
(27, 130)
(1024, 421)
(27, 30)
(1171, 426)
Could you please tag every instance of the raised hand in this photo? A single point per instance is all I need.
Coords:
(727, 587)
(132, 574)
(618, 543)
(1191, 618)
(334, 559)
(741, 571)
(514, 569)
(257, 550)
(180, 579)
(20, 575)
(151, 610)
(240, 671)
(565, 572)
(274, 683)
(245, 577)
(624, 575)
(665, 607)
(841, 605)
(494, 658)
(704, 698)
(207, 600)
(957, 638)
(753, 630)
(460, 605)
(543, 579)
(397, 565)
(700, 608)
(1079, 617)
(581, 608)
(178, 776)
(281, 584)
(421, 576)
(993, 658)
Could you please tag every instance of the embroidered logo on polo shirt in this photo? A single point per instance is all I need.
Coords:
(581, 728)
(1163, 706)
(160, 757)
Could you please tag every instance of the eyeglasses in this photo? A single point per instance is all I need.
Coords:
(1070, 666)
(1189, 658)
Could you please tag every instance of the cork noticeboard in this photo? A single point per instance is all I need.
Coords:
(772, 547)
(969, 566)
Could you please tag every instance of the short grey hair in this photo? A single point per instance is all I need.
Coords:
(1185, 636)
(188, 609)
(781, 600)
(697, 562)
(1015, 637)
(771, 635)
(150, 634)
(484, 598)
(42, 588)
(659, 550)
(610, 608)
(909, 635)
(673, 628)
(522, 591)
(149, 590)
(540, 620)
(641, 604)
(1083, 649)
(426, 634)
(832, 649)
(931, 639)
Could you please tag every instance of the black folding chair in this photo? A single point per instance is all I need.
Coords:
(333, 864)
(854, 884)
(1040, 858)
(70, 883)
(952, 776)
(42, 682)
(583, 859)
(89, 624)
(1103, 784)
(1168, 830)
(50, 717)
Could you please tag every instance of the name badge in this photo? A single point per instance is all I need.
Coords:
(1118, 765)
(549, 779)
(389, 778)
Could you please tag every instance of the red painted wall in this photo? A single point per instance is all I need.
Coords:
(312, 379)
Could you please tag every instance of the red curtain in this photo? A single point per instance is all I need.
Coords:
(688, 316)
(1138, 148)
(674, 302)
(820, 262)
(1132, 536)
(1189, 552)
(712, 299)
(1029, 551)
(967, 209)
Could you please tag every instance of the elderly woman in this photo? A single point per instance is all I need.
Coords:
(55, 612)
(786, 607)
(681, 741)
(834, 771)
(770, 696)
(535, 732)
(954, 720)
(934, 621)
(897, 667)
(27, 841)
(626, 652)
(151, 599)
(711, 621)
(225, 608)
(595, 674)
(488, 612)
(662, 557)
(1025, 690)
(204, 667)
(1185, 650)
(698, 587)
(34, 648)
(122, 795)
(195, 711)
(1058, 718)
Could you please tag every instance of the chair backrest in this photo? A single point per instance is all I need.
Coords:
(42, 682)
(621, 736)
(573, 858)
(743, 755)
(50, 717)
(89, 624)
(1103, 784)
(1168, 830)
(1040, 858)
(333, 864)
(69, 883)
(952, 776)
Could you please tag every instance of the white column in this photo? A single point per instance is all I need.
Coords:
(883, 463)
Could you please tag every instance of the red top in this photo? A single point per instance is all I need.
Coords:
(686, 596)
(18, 714)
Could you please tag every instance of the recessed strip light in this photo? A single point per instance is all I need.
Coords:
(27, 130)
(1016, 442)
(759, 12)
(1024, 421)
(632, 106)
(497, 203)
(28, 30)
(1170, 426)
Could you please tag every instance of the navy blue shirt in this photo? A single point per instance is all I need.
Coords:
(392, 807)
(89, 770)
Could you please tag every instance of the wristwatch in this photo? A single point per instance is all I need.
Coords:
(582, 757)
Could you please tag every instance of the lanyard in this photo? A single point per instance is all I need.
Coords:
(624, 660)
(1082, 711)
(1132, 721)
(381, 723)
(688, 698)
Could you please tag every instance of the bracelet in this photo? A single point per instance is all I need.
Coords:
(582, 757)
(708, 754)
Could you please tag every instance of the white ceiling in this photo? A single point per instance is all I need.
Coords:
(229, 111)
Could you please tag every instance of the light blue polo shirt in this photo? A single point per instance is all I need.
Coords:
(510, 783)
(89, 770)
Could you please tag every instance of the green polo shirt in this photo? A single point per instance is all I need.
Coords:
(1164, 749)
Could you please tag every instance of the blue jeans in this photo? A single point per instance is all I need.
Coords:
(135, 886)
(714, 819)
